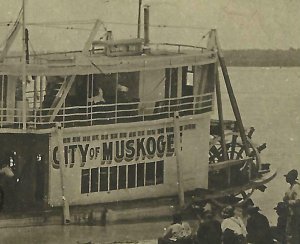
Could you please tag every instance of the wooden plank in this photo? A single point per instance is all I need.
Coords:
(228, 163)
(59, 94)
(91, 37)
(62, 98)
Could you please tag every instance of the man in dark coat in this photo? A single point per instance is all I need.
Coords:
(279, 231)
(209, 230)
(258, 227)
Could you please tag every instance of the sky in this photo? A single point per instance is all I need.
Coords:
(241, 24)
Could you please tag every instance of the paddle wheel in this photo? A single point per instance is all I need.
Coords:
(241, 168)
(235, 166)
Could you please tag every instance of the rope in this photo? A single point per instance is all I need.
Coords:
(91, 21)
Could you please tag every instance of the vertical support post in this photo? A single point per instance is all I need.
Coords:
(146, 25)
(93, 88)
(139, 20)
(66, 208)
(24, 69)
(41, 79)
(35, 101)
(178, 159)
(221, 123)
(232, 98)
(27, 45)
(116, 101)
(179, 83)
(220, 114)
(2, 100)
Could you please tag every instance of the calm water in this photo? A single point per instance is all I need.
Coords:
(269, 100)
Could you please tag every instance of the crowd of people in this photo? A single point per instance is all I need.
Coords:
(248, 226)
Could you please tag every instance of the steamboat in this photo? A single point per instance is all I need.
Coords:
(120, 127)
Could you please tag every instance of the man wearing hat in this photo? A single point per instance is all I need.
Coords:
(279, 231)
(258, 227)
(292, 199)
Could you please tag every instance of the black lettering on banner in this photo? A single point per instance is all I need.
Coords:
(97, 152)
(130, 150)
(66, 155)
(120, 150)
(140, 149)
(151, 147)
(83, 152)
(170, 145)
(92, 153)
(72, 151)
(161, 146)
(107, 151)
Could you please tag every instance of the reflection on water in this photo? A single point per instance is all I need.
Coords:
(269, 100)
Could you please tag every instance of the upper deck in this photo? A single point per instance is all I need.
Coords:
(108, 82)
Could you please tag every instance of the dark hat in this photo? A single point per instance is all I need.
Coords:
(281, 206)
(248, 202)
(177, 218)
(252, 209)
(293, 174)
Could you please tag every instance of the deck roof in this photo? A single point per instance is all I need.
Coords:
(76, 63)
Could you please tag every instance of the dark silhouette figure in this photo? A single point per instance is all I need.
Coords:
(258, 227)
(209, 230)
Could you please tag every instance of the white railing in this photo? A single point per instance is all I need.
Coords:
(108, 113)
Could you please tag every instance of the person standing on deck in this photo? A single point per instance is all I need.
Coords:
(97, 97)
(292, 199)
(258, 227)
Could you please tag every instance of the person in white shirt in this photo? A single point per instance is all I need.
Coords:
(233, 228)
(292, 199)
(98, 98)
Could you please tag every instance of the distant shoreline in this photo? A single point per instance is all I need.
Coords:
(263, 58)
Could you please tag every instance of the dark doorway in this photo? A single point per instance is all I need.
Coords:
(28, 158)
